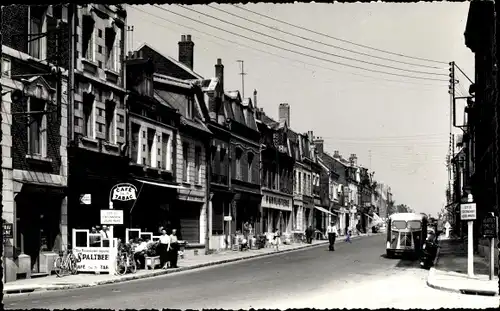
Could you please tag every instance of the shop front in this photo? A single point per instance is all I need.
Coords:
(298, 214)
(277, 212)
(322, 218)
(246, 208)
(220, 213)
(39, 226)
(187, 215)
(308, 211)
(92, 176)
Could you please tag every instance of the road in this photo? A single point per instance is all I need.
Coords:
(356, 275)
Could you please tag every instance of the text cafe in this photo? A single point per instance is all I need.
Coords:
(277, 212)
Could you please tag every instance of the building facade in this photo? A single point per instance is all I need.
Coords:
(34, 138)
(174, 84)
(220, 164)
(276, 174)
(153, 125)
(97, 150)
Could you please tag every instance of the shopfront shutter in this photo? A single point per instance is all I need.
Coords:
(189, 216)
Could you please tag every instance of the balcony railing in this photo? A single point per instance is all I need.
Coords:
(219, 179)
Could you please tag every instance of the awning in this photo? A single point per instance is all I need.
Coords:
(160, 184)
(321, 209)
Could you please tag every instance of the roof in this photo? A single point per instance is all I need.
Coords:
(169, 66)
(406, 216)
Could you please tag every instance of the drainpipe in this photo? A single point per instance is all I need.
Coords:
(209, 195)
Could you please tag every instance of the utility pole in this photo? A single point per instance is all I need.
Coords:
(242, 73)
(4, 270)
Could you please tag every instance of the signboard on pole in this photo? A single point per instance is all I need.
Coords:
(85, 199)
(489, 227)
(468, 211)
(111, 217)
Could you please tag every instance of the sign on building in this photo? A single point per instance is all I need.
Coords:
(111, 217)
(85, 199)
(489, 226)
(124, 192)
(7, 230)
(468, 211)
(92, 259)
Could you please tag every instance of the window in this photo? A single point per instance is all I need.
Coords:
(76, 121)
(37, 128)
(110, 49)
(300, 182)
(185, 150)
(88, 116)
(143, 161)
(144, 148)
(151, 144)
(238, 163)
(197, 165)
(190, 108)
(294, 181)
(6, 66)
(159, 153)
(165, 158)
(99, 49)
(100, 127)
(134, 149)
(273, 176)
(99, 33)
(250, 160)
(143, 134)
(121, 133)
(88, 39)
(110, 121)
(100, 112)
(76, 105)
(35, 46)
(121, 118)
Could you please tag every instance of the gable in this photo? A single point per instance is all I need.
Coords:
(166, 66)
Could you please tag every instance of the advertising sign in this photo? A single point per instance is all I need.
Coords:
(489, 226)
(111, 217)
(92, 259)
(7, 230)
(124, 192)
(468, 211)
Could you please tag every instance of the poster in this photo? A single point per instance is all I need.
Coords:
(92, 259)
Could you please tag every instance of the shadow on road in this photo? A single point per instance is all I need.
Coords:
(404, 261)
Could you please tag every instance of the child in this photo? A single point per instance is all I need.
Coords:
(348, 236)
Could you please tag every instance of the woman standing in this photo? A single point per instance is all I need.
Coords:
(164, 248)
(174, 249)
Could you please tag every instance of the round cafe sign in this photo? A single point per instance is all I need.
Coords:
(124, 192)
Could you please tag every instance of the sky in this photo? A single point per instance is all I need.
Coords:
(397, 125)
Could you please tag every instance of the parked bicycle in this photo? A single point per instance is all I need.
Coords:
(65, 264)
(125, 261)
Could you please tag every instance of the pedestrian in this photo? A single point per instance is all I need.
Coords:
(277, 238)
(164, 248)
(309, 234)
(332, 234)
(94, 239)
(348, 236)
(174, 249)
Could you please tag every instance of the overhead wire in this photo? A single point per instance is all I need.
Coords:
(339, 39)
(296, 52)
(309, 48)
(278, 55)
(323, 43)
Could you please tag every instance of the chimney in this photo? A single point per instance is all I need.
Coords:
(336, 154)
(186, 50)
(318, 144)
(219, 73)
(353, 159)
(255, 99)
(284, 113)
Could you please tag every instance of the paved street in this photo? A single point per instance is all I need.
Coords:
(355, 275)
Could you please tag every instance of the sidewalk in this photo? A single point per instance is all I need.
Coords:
(450, 271)
(189, 263)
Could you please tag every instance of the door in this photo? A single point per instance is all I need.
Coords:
(189, 222)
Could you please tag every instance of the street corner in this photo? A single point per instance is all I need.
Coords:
(460, 284)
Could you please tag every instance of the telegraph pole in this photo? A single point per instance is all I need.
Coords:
(242, 73)
(1, 158)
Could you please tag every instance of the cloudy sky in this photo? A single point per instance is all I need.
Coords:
(359, 93)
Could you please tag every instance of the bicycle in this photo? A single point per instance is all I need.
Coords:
(66, 263)
(125, 262)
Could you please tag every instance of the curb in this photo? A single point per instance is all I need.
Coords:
(131, 277)
(464, 291)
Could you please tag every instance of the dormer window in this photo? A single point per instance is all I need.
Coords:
(190, 108)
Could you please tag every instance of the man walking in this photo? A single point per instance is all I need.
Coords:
(332, 234)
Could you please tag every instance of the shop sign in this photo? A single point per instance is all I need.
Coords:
(228, 218)
(92, 259)
(111, 217)
(124, 192)
(270, 201)
(489, 226)
(86, 199)
(7, 230)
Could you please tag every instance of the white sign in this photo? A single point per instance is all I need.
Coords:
(228, 218)
(124, 192)
(92, 259)
(468, 211)
(277, 202)
(85, 199)
(111, 217)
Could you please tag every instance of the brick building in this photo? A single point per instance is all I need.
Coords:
(34, 138)
(277, 166)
